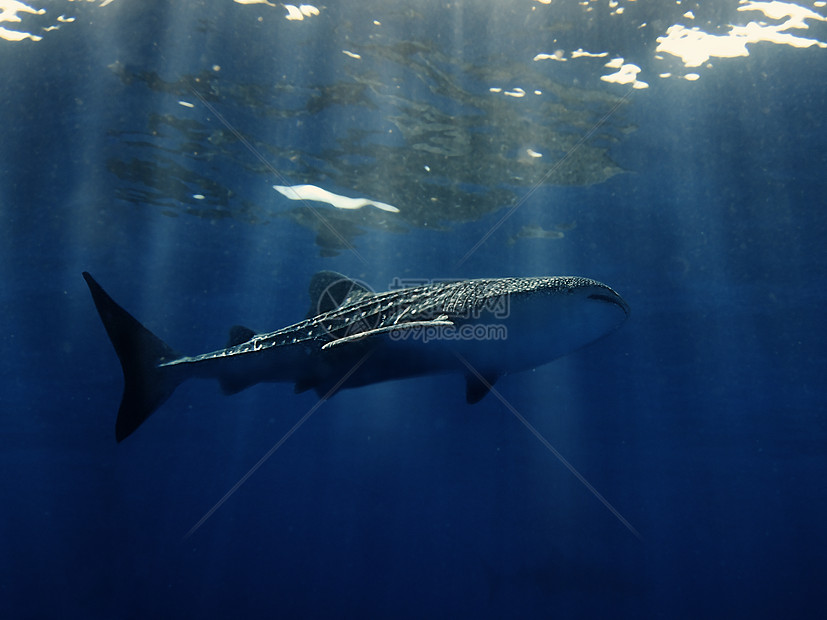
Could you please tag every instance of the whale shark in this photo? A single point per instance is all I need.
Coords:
(352, 337)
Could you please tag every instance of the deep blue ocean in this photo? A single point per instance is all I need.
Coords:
(140, 141)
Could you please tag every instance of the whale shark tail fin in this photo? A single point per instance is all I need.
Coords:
(146, 384)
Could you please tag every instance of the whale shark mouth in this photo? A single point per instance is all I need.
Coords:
(609, 299)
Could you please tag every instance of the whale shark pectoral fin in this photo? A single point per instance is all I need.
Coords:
(400, 329)
(303, 384)
(322, 385)
(234, 384)
(476, 388)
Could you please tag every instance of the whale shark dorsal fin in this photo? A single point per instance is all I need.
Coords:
(239, 335)
(476, 388)
(330, 290)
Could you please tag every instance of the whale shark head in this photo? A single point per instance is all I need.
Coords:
(588, 307)
(574, 311)
(547, 318)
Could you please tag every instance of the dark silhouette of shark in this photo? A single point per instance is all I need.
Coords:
(354, 337)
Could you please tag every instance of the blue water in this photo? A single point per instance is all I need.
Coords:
(701, 421)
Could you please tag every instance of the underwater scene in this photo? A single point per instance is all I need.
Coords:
(425, 309)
